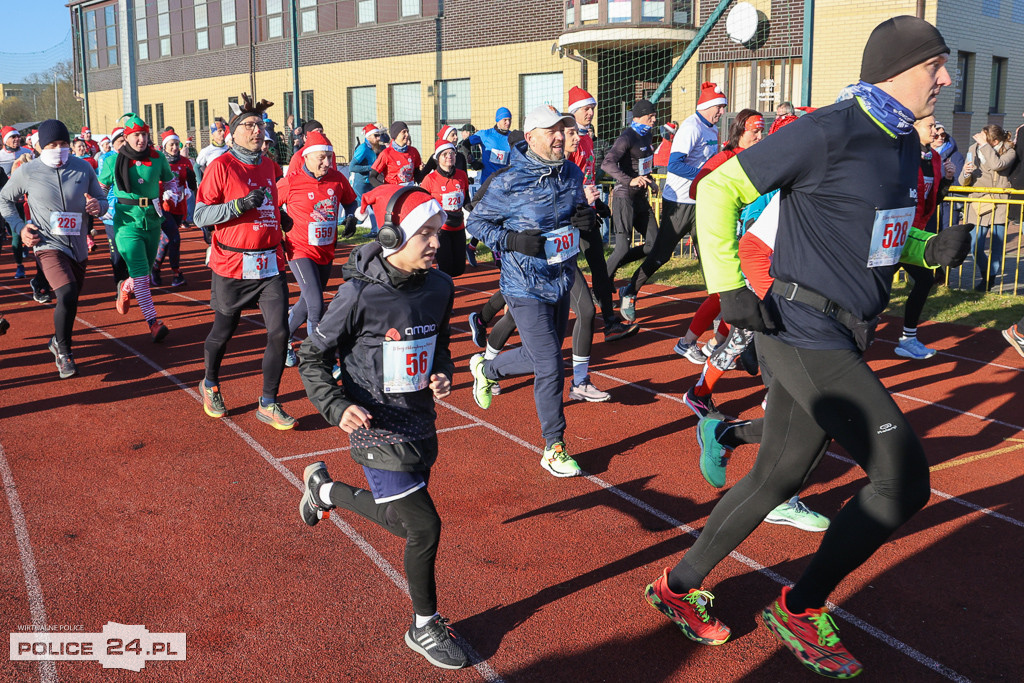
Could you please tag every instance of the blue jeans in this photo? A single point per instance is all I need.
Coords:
(995, 266)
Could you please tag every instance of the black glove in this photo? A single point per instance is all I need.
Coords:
(249, 202)
(529, 242)
(476, 165)
(286, 222)
(742, 308)
(350, 226)
(602, 209)
(950, 247)
(583, 218)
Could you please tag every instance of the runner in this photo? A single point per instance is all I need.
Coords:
(835, 252)
(136, 174)
(213, 150)
(493, 150)
(447, 134)
(238, 201)
(311, 202)
(11, 151)
(449, 185)
(661, 155)
(386, 401)
(174, 196)
(534, 212)
(86, 137)
(399, 163)
(363, 158)
(61, 190)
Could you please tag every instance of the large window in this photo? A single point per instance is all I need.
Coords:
(362, 109)
(964, 68)
(190, 117)
(652, 10)
(275, 19)
(367, 11)
(405, 106)
(159, 120)
(538, 89)
(204, 122)
(307, 16)
(141, 30)
(202, 25)
(147, 114)
(110, 21)
(163, 25)
(453, 102)
(306, 109)
(589, 11)
(411, 8)
(997, 89)
(620, 11)
(91, 41)
(227, 17)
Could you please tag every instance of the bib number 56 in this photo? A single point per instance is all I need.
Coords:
(416, 363)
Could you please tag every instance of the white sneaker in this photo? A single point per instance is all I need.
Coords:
(911, 347)
(690, 351)
(709, 348)
(586, 391)
(794, 513)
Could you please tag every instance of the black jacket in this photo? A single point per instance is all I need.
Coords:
(377, 306)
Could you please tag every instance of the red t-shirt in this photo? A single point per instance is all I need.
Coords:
(225, 180)
(315, 207)
(450, 193)
(584, 158)
(398, 168)
(180, 169)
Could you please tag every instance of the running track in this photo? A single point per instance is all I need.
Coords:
(125, 503)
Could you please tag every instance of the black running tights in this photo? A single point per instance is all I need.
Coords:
(275, 316)
(451, 254)
(817, 394)
(923, 279)
(64, 315)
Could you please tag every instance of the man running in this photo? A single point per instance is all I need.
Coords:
(494, 152)
(848, 175)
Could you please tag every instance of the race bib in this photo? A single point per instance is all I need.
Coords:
(562, 245)
(321, 233)
(451, 201)
(888, 235)
(498, 156)
(645, 165)
(259, 265)
(407, 364)
(65, 223)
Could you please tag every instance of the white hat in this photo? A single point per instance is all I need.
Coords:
(546, 116)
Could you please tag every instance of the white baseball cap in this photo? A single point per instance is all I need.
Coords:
(546, 116)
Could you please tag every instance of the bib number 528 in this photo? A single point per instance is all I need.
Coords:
(416, 363)
(895, 234)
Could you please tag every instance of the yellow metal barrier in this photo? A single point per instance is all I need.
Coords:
(995, 260)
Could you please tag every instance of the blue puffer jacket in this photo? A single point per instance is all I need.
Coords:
(528, 195)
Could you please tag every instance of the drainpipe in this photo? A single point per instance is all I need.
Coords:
(583, 67)
(808, 47)
(295, 59)
(690, 50)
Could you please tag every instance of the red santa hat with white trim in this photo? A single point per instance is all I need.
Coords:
(413, 211)
(579, 98)
(8, 131)
(370, 129)
(444, 133)
(441, 145)
(711, 95)
(316, 142)
(168, 136)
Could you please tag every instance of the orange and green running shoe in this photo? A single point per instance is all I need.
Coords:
(812, 637)
(688, 612)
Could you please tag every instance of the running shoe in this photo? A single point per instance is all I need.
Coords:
(274, 416)
(627, 304)
(19, 272)
(290, 359)
(123, 298)
(178, 280)
(713, 456)
(158, 331)
(910, 347)
(620, 330)
(471, 255)
(689, 612)
(436, 642)
(794, 513)
(690, 351)
(5, 325)
(1014, 339)
(65, 363)
(155, 278)
(479, 329)
(213, 402)
(556, 460)
(709, 348)
(312, 508)
(482, 387)
(700, 405)
(586, 391)
(812, 637)
(39, 295)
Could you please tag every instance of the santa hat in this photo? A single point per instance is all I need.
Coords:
(579, 98)
(370, 129)
(711, 95)
(8, 131)
(169, 135)
(104, 137)
(669, 129)
(85, 129)
(116, 133)
(316, 142)
(441, 145)
(415, 209)
(444, 133)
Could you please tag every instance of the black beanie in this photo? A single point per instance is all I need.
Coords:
(395, 128)
(311, 125)
(898, 44)
(642, 108)
(52, 130)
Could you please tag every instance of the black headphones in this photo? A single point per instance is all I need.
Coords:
(390, 236)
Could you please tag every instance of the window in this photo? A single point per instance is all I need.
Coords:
(620, 11)
(538, 89)
(570, 12)
(190, 117)
(453, 101)
(306, 100)
(652, 10)
(147, 114)
(964, 66)
(411, 8)
(141, 30)
(202, 25)
(367, 11)
(204, 120)
(163, 26)
(227, 17)
(362, 109)
(275, 19)
(588, 11)
(997, 89)
(307, 16)
(110, 21)
(159, 119)
(91, 43)
(405, 106)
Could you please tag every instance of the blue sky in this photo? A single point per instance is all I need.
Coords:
(46, 23)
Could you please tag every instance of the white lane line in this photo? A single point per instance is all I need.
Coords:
(983, 418)
(345, 448)
(889, 640)
(483, 668)
(33, 587)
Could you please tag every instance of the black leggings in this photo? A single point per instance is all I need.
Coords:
(817, 394)
(493, 307)
(312, 279)
(676, 221)
(451, 255)
(275, 317)
(412, 517)
(64, 315)
(170, 242)
(600, 282)
(630, 211)
(923, 279)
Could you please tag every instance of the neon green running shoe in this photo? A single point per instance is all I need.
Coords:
(794, 513)
(481, 385)
(556, 460)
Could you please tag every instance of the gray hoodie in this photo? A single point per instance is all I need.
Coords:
(52, 190)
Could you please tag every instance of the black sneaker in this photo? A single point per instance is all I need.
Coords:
(39, 295)
(311, 508)
(436, 642)
(5, 325)
(65, 363)
(156, 279)
(476, 324)
(620, 330)
(178, 280)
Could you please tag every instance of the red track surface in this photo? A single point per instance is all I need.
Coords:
(139, 509)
